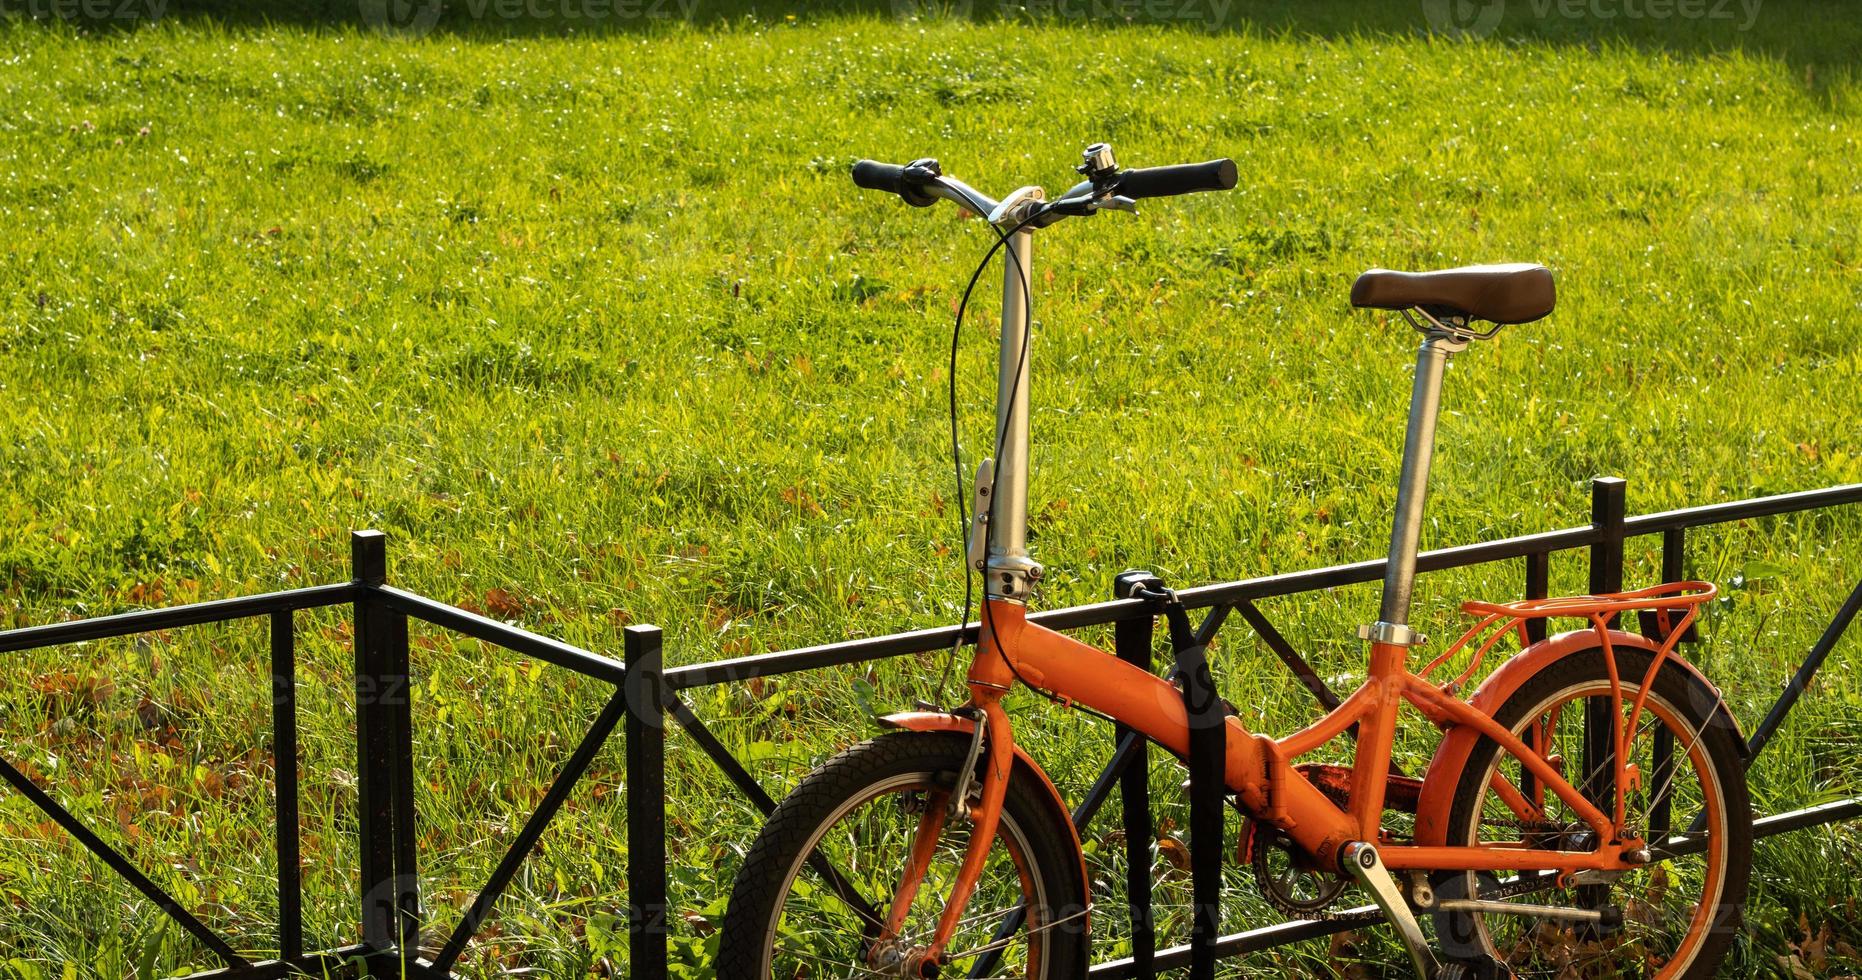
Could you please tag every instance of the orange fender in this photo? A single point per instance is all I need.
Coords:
(1438, 784)
(933, 721)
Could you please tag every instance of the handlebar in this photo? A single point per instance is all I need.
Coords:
(1187, 178)
(907, 181)
(921, 182)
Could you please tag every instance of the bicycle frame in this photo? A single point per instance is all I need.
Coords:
(1259, 769)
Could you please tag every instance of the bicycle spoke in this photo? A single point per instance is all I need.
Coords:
(1006, 943)
(1609, 760)
(1675, 769)
(965, 922)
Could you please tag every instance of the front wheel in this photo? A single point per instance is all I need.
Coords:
(822, 878)
(1672, 918)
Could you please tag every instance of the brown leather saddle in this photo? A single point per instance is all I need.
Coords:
(1518, 292)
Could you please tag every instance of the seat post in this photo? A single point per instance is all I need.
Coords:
(1425, 406)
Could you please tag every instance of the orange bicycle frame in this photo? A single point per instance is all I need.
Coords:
(1260, 770)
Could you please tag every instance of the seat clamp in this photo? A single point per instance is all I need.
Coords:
(1452, 333)
(1393, 634)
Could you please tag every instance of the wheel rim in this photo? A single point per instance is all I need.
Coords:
(813, 934)
(1669, 907)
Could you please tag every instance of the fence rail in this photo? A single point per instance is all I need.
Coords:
(645, 696)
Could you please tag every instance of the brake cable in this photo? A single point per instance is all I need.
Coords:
(956, 449)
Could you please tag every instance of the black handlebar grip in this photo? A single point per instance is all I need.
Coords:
(876, 176)
(1216, 175)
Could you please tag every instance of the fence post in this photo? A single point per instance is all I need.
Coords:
(397, 705)
(1132, 639)
(1661, 816)
(284, 763)
(1608, 501)
(646, 802)
(1607, 512)
(374, 788)
(1208, 747)
(1538, 586)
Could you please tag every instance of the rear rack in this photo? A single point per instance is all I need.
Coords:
(1662, 598)
(1669, 611)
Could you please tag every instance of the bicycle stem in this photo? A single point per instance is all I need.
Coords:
(1008, 571)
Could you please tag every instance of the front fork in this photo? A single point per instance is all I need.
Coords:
(990, 772)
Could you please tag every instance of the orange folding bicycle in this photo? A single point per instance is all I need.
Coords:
(1539, 841)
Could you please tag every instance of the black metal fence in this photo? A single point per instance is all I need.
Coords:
(645, 694)
(391, 920)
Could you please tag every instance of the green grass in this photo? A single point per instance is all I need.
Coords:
(596, 328)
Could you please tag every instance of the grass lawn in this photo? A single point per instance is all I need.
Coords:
(596, 327)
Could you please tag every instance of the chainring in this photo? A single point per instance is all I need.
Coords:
(1281, 868)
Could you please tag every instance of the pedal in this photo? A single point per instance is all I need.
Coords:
(1363, 863)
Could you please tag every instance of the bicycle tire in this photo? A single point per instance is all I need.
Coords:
(1707, 939)
(775, 860)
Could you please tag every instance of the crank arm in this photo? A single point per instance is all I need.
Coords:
(1363, 863)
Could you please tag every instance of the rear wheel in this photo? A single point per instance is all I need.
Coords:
(1674, 917)
(823, 874)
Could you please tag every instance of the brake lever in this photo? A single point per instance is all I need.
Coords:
(1087, 205)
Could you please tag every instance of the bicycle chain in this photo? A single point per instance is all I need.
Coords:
(1327, 914)
(1373, 915)
(1331, 914)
